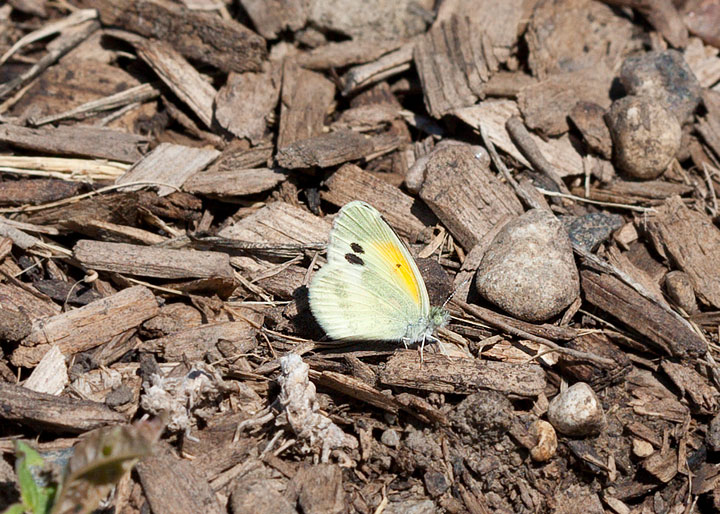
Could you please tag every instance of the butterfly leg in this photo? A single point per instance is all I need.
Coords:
(422, 347)
(405, 341)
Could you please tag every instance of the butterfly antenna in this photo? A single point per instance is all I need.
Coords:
(455, 291)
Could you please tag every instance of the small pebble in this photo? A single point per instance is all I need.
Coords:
(646, 136)
(390, 438)
(665, 77)
(642, 448)
(436, 483)
(712, 438)
(577, 411)
(589, 230)
(529, 270)
(546, 438)
(680, 289)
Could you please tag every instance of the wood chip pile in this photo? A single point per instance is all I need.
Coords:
(169, 174)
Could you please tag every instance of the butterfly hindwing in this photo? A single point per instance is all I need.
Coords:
(371, 287)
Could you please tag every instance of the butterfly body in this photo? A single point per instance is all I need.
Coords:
(371, 288)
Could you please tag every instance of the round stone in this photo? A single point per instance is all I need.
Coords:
(529, 270)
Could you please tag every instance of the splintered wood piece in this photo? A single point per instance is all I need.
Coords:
(169, 165)
(36, 191)
(494, 114)
(173, 486)
(279, 222)
(246, 101)
(325, 150)
(465, 195)
(148, 261)
(647, 193)
(546, 105)
(54, 413)
(271, 17)
(233, 183)
(663, 331)
(84, 328)
(50, 376)
(201, 36)
(69, 39)
(194, 343)
(306, 98)
(404, 213)
(177, 73)
(112, 232)
(703, 397)
(236, 156)
(79, 140)
(345, 53)
(692, 242)
(453, 61)
(501, 22)
(23, 298)
(140, 93)
(388, 65)
(442, 374)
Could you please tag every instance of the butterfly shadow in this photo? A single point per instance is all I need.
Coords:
(303, 322)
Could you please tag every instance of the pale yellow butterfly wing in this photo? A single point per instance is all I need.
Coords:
(370, 288)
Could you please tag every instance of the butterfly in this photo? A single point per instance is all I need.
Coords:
(371, 288)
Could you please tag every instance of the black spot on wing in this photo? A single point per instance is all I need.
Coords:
(356, 248)
(354, 259)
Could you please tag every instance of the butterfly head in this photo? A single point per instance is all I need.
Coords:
(425, 327)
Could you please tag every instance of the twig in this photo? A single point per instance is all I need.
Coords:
(496, 321)
(596, 202)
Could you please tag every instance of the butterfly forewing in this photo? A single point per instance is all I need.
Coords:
(370, 276)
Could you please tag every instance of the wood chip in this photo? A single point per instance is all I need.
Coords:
(664, 332)
(246, 103)
(173, 485)
(455, 180)
(271, 17)
(54, 413)
(692, 242)
(146, 261)
(306, 97)
(168, 165)
(407, 216)
(51, 374)
(493, 115)
(325, 150)
(77, 140)
(84, 328)
(233, 183)
(177, 73)
(461, 376)
(453, 61)
(201, 36)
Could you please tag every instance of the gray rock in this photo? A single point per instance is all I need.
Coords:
(390, 438)
(577, 411)
(663, 76)
(712, 438)
(589, 230)
(411, 507)
(646, 136)
(529, 270)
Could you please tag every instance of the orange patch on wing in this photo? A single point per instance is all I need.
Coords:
(401, 266)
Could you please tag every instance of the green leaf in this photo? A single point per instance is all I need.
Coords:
(35, 498)
(100, 460)
(15, 508)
